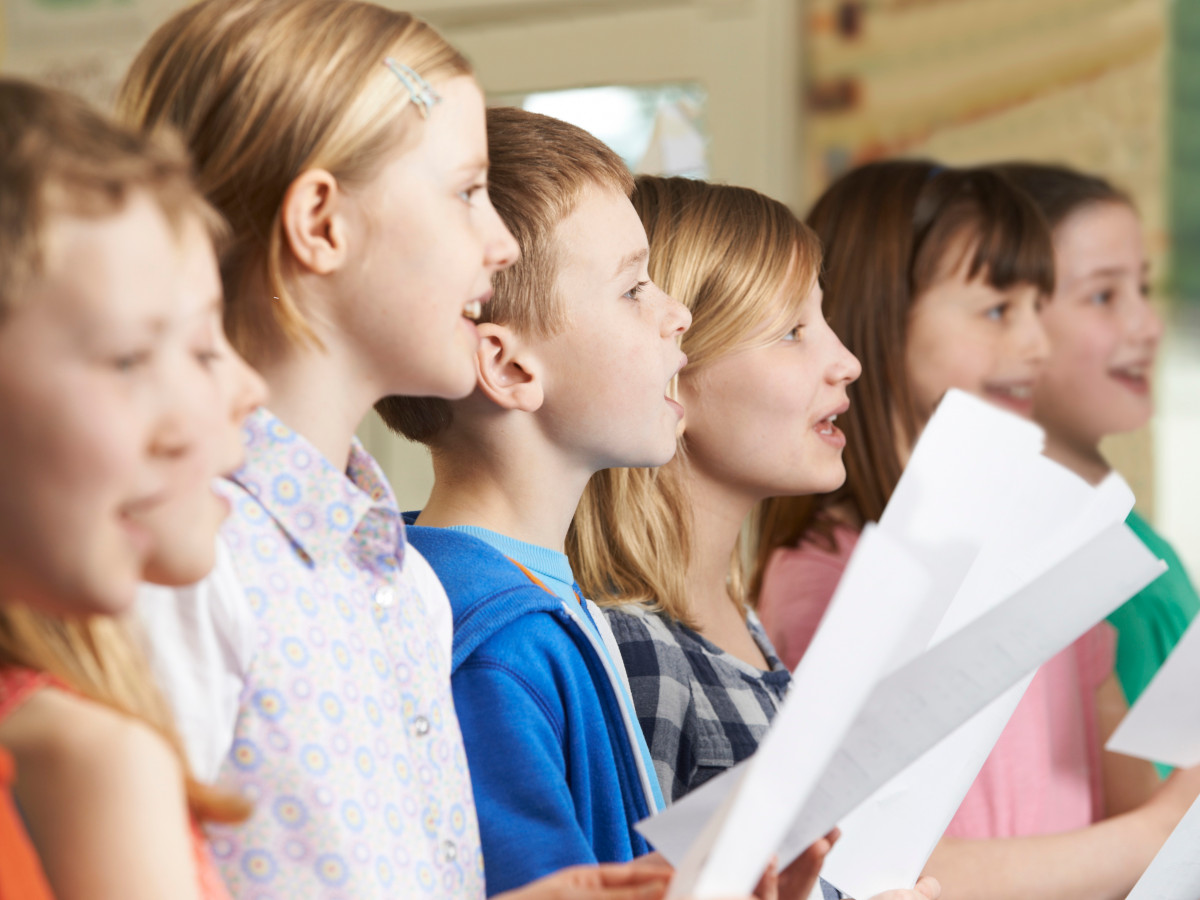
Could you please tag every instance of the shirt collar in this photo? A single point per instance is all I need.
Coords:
(317, 505)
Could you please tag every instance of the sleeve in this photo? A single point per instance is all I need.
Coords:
(660, 685)
(796, 590)
(437, 604)
(514, 737)
(200, 640)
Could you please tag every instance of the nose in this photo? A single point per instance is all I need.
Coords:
(677, 318)
(248, 392)
(501, 248)
(846, 368)
(1032, 341)
(1147, 324)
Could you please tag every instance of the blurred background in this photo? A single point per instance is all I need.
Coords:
(783, 95)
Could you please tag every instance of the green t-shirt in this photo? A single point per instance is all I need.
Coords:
(1151, 623)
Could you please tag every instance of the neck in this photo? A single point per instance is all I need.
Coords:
(1081, 457)
(316, 394)
(718, 513)
(516, 485)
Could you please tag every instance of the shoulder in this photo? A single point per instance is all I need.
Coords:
(84, 748)
(652, 647)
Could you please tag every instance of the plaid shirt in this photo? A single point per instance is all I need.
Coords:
(702, 709)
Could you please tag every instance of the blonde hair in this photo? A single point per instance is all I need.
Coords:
(60, 157)
(729, 254)
(540, 167)
(57, 156)
(100, 659)
(264, 90)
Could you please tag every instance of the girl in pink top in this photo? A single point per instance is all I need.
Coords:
(934, 278)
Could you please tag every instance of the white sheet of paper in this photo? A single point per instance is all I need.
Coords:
(1164, 723)
(950, 500)
(1174, 873)
(888, 839)
(919, 705)
(748, 815)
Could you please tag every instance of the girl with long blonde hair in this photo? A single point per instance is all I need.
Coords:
(660, 548)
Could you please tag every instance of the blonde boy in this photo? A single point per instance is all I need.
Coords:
(577, 352)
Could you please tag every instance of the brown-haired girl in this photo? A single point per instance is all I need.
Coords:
(934, 277)
(1098, 381)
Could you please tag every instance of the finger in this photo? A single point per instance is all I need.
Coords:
(930, 887)
(632, 873)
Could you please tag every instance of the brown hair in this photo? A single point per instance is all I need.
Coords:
(58, 156)
(263, 91)
(540, 167)
(1059, 191)
(890, 231)
(729, 254)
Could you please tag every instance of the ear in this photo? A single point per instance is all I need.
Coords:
(507, 373)
(314, 223)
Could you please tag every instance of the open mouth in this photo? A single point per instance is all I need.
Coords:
(472, 310)
(1136, 377)
(826, 426)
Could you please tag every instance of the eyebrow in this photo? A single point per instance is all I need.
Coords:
(630, 260)
(479, 164)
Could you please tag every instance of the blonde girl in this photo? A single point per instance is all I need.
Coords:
(122, 401)
(1105, 335)
(345, 144)
(660, 548)
(935, 277)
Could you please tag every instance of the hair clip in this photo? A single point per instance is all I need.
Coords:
(420, 92)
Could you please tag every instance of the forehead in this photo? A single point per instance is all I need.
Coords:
(455, 133)
(602, 240)
(1101, 236)
(109, 269)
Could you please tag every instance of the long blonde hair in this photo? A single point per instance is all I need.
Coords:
(729, 254)
(263, 91)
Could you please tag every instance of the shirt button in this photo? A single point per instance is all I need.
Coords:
(420, 726)
(449, 850)
(385, 597)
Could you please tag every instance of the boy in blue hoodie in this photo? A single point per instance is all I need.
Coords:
(577, 354)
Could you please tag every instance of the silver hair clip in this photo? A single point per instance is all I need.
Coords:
(420, 92)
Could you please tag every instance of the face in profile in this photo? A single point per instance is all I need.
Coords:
(1103, 329)
(965, 333)
(608, 373)
(214, 390)
(95, 439)
(762, 421)
(432, 242)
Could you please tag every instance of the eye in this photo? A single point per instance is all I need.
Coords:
(466, 195)
(1101, 298)
(998, 312)
(636, 291)
(794, 334)
(207, 357)
(131, 362)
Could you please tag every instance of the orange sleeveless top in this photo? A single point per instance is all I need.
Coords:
(21, 876)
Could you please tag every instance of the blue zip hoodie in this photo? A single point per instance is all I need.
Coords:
(555, 777)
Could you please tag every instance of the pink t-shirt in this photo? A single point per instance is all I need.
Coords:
(1043, 775)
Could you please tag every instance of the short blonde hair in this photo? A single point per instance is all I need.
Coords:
(59, 156)
(540, 167)
(264, 90)
(742, 263)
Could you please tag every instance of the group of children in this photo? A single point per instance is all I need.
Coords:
(230, 665)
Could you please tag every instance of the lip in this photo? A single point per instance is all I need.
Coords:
(838, 410)
(1014, 395)
(1135, 376)
(676, 406)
